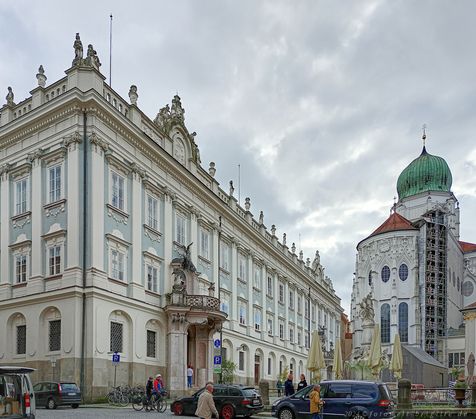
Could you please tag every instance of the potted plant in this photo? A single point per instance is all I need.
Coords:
(460, 390)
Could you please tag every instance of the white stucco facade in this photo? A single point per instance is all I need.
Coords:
(97, 205)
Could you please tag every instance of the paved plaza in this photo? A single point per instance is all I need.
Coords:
(99, 413)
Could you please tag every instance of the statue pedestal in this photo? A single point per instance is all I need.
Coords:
(367, 331)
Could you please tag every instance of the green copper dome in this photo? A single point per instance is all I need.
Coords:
(425, 173)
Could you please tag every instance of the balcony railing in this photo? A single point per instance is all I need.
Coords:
(203, 301)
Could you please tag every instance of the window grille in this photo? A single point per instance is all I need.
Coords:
(55, 183)
(116, 337)
(385, 273)
(241, 361)
(152, 213)
(403, 321)
(403, 272)
(151, 344)
(54, 335)
(117, 191)
(20, 268)
(55, 260)
(385, 323)
(21, 340)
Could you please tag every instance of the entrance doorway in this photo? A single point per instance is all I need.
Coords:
(257, 369)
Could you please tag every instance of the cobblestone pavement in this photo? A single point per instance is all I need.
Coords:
(100, 413)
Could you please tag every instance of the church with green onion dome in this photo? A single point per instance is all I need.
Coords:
(418, 277)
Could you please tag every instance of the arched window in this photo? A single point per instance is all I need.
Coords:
(385, 323)
(403, 272)
(403, 322)
(385, 273)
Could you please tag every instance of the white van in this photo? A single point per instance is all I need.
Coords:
(17, 399)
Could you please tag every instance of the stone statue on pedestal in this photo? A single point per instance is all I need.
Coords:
(367, 312)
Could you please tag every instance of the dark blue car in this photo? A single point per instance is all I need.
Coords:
(342, 399)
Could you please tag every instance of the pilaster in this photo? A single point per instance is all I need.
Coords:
(35, 282)
(194, 235)
(286, 308)
(233, 314)
(168, 237)
(96, 175)
(136, 284)
(249, 315)
(5, 286)
(215, 261)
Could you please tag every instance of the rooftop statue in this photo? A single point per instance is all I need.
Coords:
(177, 110)
(232, 188)
(10, 96)
(261, 217)
(78, 51)
(92, 57)
(316, 262)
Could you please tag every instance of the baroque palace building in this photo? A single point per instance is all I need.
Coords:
(415, 270)
(115, 239)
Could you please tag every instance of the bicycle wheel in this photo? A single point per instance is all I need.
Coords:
(123, 400)
(161, 405)
(138, 402)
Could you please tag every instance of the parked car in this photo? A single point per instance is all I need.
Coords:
(17, 398)
(230, 401)
(53, 394)
(342, 398)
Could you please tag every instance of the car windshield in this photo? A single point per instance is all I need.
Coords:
(69, 387)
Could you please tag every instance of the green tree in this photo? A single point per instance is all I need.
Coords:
(228, 369)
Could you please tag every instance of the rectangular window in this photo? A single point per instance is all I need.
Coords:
(270, 327)
(291, 335)
(21, 196)
(224, 254)
(20, 268)
(152, 212)
(117, 191)
(281, 331)
(450, 360)
(117, 265)
(54, 335)
(281, 293)
(21, 340)
(151, 278)
(306, 309)
(291, 300)
(224, 305)
(269, 288)
(151, 344)
(180, 229)
(313, 313)
(242, 269)
(299, 305)
(257, 276)
(299, 336)
(241, 361)
(55, 183)
(54, 260)
(204, 244)
(242, 315)
(306, 341)
(461, 358)
(257, 320)
(269, 366)
(116, 340)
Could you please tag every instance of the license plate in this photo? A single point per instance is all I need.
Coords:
(71, 394)
(255, 401)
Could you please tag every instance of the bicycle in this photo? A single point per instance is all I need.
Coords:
(156, 402)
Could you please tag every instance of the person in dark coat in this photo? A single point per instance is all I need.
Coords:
(289, 386)
(302, 383)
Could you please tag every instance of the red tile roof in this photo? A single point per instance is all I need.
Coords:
(394, 223)
(467, 247)
(471, 306)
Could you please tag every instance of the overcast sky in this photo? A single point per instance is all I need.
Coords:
(320, 102)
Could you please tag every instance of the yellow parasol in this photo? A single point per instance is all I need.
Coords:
(315, 359)
(375, 355)
(396, 365)
(337, 361)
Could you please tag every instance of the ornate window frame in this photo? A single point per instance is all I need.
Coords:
(115, 243)
(55, 237)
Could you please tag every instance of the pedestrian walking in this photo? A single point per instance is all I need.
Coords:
(279, 387)
(316, 405)
(289, 386)
(189, 375)
(206, 405)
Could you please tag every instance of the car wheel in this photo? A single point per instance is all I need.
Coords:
(75, 405)
(286, 414)
(177, 409)
(227, 412)
(359, 415)
(51, 404)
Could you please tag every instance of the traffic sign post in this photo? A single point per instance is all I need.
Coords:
(116, 358)
(217, 343)
(217, 364)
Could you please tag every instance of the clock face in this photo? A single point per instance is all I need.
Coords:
(179, 151)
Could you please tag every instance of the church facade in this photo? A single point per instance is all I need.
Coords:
(414, 269)
(115, 239)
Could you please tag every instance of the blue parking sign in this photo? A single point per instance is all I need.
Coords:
(217, 360)
(116, 358)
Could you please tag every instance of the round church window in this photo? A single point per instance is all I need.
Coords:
(385, 273)
(403, 272)
(468, 288)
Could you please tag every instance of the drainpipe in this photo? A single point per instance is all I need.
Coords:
(82, 383)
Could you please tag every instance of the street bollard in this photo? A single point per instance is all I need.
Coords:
(404, 394)
(264, 391)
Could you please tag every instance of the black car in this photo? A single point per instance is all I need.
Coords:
(342, 398)
(53, 394)
(230, 401)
